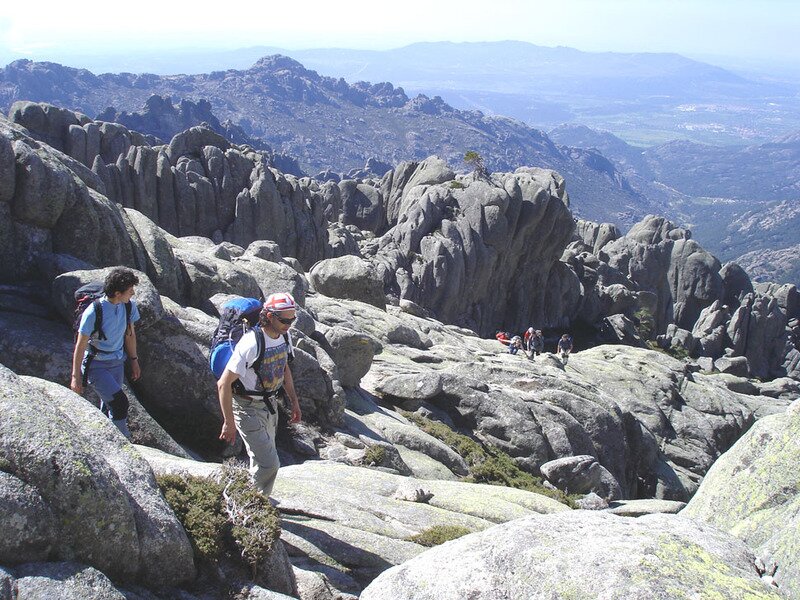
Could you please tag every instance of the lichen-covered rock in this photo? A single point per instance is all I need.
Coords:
(580, 555)
(753, 492)
(161, 266)
(107, 509)
(352, 351)
(581, 474)
(65, 581)
(28, 524)
(349, 518)
(274, 277)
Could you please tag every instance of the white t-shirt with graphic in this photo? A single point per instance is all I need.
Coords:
(276, 354)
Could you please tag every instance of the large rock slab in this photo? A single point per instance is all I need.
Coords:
(753, 492)
(580, 555)
(581, 474)
(108, 511)
(65, 581)
(351, 515)
(28, 524)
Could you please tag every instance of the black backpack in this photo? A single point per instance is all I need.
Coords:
(91, 293)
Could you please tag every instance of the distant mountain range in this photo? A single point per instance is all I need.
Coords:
(329, 124)
(645, 98)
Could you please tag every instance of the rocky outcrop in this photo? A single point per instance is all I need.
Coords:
(198, 184)
(577, 555)
(654, 427)
(752, 492)
(285, 105)
(674, 291)
(458, 250)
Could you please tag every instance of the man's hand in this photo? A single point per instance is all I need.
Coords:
(228, 433)
(76, 385)
(296, 415)
(136, 370)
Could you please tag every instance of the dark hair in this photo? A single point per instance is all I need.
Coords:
(119, 280)
(263, 317)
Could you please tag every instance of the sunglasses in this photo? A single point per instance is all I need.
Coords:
(288, 321)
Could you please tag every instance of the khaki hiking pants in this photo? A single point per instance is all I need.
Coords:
(257, 425)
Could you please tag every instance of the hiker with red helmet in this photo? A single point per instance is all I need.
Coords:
(248, 387)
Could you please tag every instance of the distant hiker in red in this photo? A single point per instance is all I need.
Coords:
(503, 337)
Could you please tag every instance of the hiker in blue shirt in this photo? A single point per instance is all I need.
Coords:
(99, 360)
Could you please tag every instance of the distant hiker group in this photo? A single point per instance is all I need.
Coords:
(532, 342)
(250, 355)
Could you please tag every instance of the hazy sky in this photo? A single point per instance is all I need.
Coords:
(47, 29)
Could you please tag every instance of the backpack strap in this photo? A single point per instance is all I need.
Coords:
(98, 320)
(128, 311)
(288, 346)
(87, 360)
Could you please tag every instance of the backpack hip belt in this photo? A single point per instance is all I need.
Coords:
(267, 397)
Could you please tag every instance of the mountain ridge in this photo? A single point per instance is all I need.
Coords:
(328, 123)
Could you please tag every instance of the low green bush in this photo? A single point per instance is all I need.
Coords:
(224, 520)
(645, 323)
(438, 534)
(197, 502)
(678, 352)
(255, 525)
(375, 455)
(488, 464)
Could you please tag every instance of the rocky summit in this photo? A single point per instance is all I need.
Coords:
(430, 462)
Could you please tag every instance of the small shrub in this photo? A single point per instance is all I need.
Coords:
(438, 534)
(5, 465)
(232, 519)
(678, 352)
(255, 525)
(375, 455)
(197, 502)
(487, 464)
(645, 323)
(457, 185)
(475, 160)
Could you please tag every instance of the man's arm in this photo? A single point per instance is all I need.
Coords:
(288, 385)
(76, 381)
(130, 350)
(224, 384)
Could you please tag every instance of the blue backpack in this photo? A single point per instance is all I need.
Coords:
(238, 316)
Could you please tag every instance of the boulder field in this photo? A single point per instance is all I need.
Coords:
(410, 413)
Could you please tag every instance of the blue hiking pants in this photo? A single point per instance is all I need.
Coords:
(106, 376)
